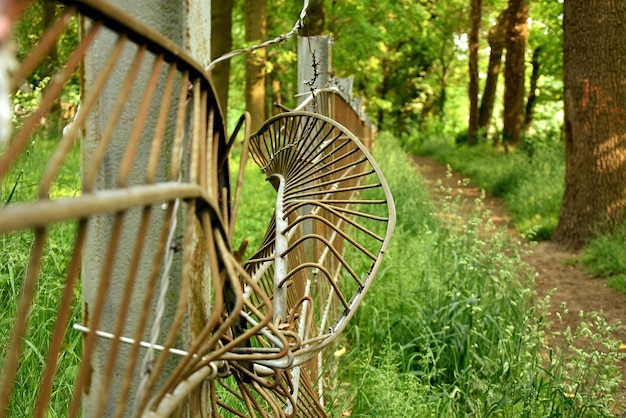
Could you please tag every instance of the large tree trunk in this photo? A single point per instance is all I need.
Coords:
(476, 13)
(221, 43)
(255, 12)
(595, 119)
(497, 39)
(514, 94)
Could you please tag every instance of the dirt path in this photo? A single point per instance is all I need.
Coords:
(556, 267)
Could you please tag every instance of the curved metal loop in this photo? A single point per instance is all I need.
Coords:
(334, 214)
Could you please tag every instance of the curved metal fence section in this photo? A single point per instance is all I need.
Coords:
(332, 223)
(140, 241)
(117, 269)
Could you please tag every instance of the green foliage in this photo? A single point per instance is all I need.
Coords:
(451, 329)
(257, 204)
(401, 66)
(21, 185)
(605, 257)
(532, 186)
(27, 33)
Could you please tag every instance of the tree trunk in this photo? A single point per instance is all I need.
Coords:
(595, 120)
(517, 37)
(49, 16)
(315, 19)
(255, 16)
(476, 13)
(221, 43)
(497, 39)
(52, 59)
(532, 92)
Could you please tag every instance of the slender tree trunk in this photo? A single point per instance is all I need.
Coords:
(517, 38)
(532, 92)
(595, 120)
(49, 16)
(382, 91)
(315, 19)
(221, 43)
(255, 12)
(476, 14)
(497, 39)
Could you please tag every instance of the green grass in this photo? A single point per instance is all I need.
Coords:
(257, 203)
(20, 185)
(531, 186)
(605, 257)
(451, 328)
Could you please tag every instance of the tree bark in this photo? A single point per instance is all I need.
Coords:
(476, 14)
(532, 91)
(49, 16)
(595, 120)
(315, 19)
(497, 39)
(221, 43)
(255, 17)
(517, 37)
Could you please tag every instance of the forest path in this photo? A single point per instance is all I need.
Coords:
(556, 268)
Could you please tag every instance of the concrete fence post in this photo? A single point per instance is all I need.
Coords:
(187, 24)
(308, 76)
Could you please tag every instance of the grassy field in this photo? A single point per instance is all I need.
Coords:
(531, 184)
(20, 185)
(451, 328)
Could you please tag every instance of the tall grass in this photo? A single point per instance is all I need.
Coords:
(605, 257)
(531, 184)
(451, 328)
(20, 185)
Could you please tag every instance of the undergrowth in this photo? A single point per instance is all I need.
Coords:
(531, 184)
(20, 185)
(451, 328)
(605, 257)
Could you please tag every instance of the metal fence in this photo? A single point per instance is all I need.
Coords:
(133, 271)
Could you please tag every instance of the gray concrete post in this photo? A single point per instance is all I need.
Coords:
(185, 23)
(322, 46)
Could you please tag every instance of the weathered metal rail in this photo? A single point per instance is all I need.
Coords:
(171, 320)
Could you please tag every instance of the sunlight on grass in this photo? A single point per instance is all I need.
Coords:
(20, 186)
(531, 186)
(450, 328)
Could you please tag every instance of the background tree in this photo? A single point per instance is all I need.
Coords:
(595, 119)
(255, 18)
(393, 47)
(476, 14)
(496, 39)
(282, 62)
(532, 89)
(517, 38)
(315, 19)
(221, 43)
